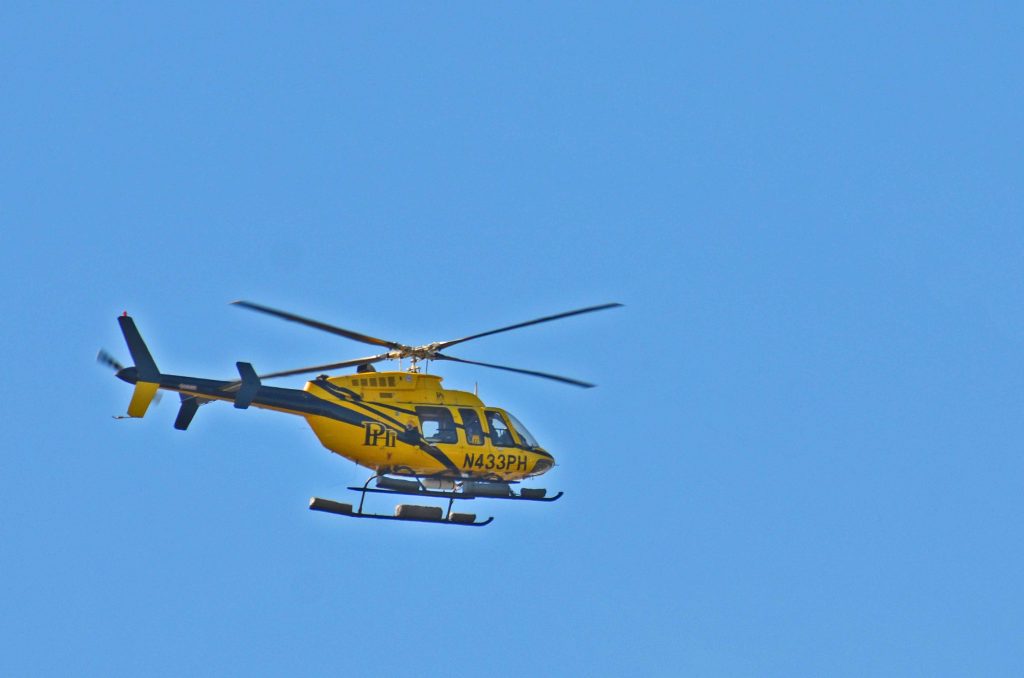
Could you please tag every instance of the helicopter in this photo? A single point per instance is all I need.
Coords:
(418, 438)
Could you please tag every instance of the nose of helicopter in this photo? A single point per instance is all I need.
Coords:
(543, 465)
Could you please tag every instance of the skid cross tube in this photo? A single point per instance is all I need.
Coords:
(441, 494)
(455, 495)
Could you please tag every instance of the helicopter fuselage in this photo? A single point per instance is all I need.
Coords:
(398, 423)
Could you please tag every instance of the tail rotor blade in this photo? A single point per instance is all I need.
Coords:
(104, 358)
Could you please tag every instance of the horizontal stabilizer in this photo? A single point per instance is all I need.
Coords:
(189, 407)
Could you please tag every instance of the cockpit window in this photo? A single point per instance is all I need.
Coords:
(437, 425)
(527, 437)
(500, 434)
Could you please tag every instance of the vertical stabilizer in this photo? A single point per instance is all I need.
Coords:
(141, 398)
(147, 375)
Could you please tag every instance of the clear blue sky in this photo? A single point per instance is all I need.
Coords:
(805, 453)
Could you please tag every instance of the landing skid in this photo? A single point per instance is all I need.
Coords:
(449, 488)
(340, 509)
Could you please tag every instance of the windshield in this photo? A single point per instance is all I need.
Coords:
(527, 437)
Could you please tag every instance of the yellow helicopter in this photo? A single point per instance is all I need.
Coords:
(419, 438)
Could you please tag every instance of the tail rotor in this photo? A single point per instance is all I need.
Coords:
(144, 373)
(104, 358)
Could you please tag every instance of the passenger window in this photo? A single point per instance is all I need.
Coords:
(500, 434)
(471, 422)
(437, 425)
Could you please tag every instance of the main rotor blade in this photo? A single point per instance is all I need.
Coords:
(233, 386)
(545, 375)
(589, 309)
(328, 367)
(365, 338)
